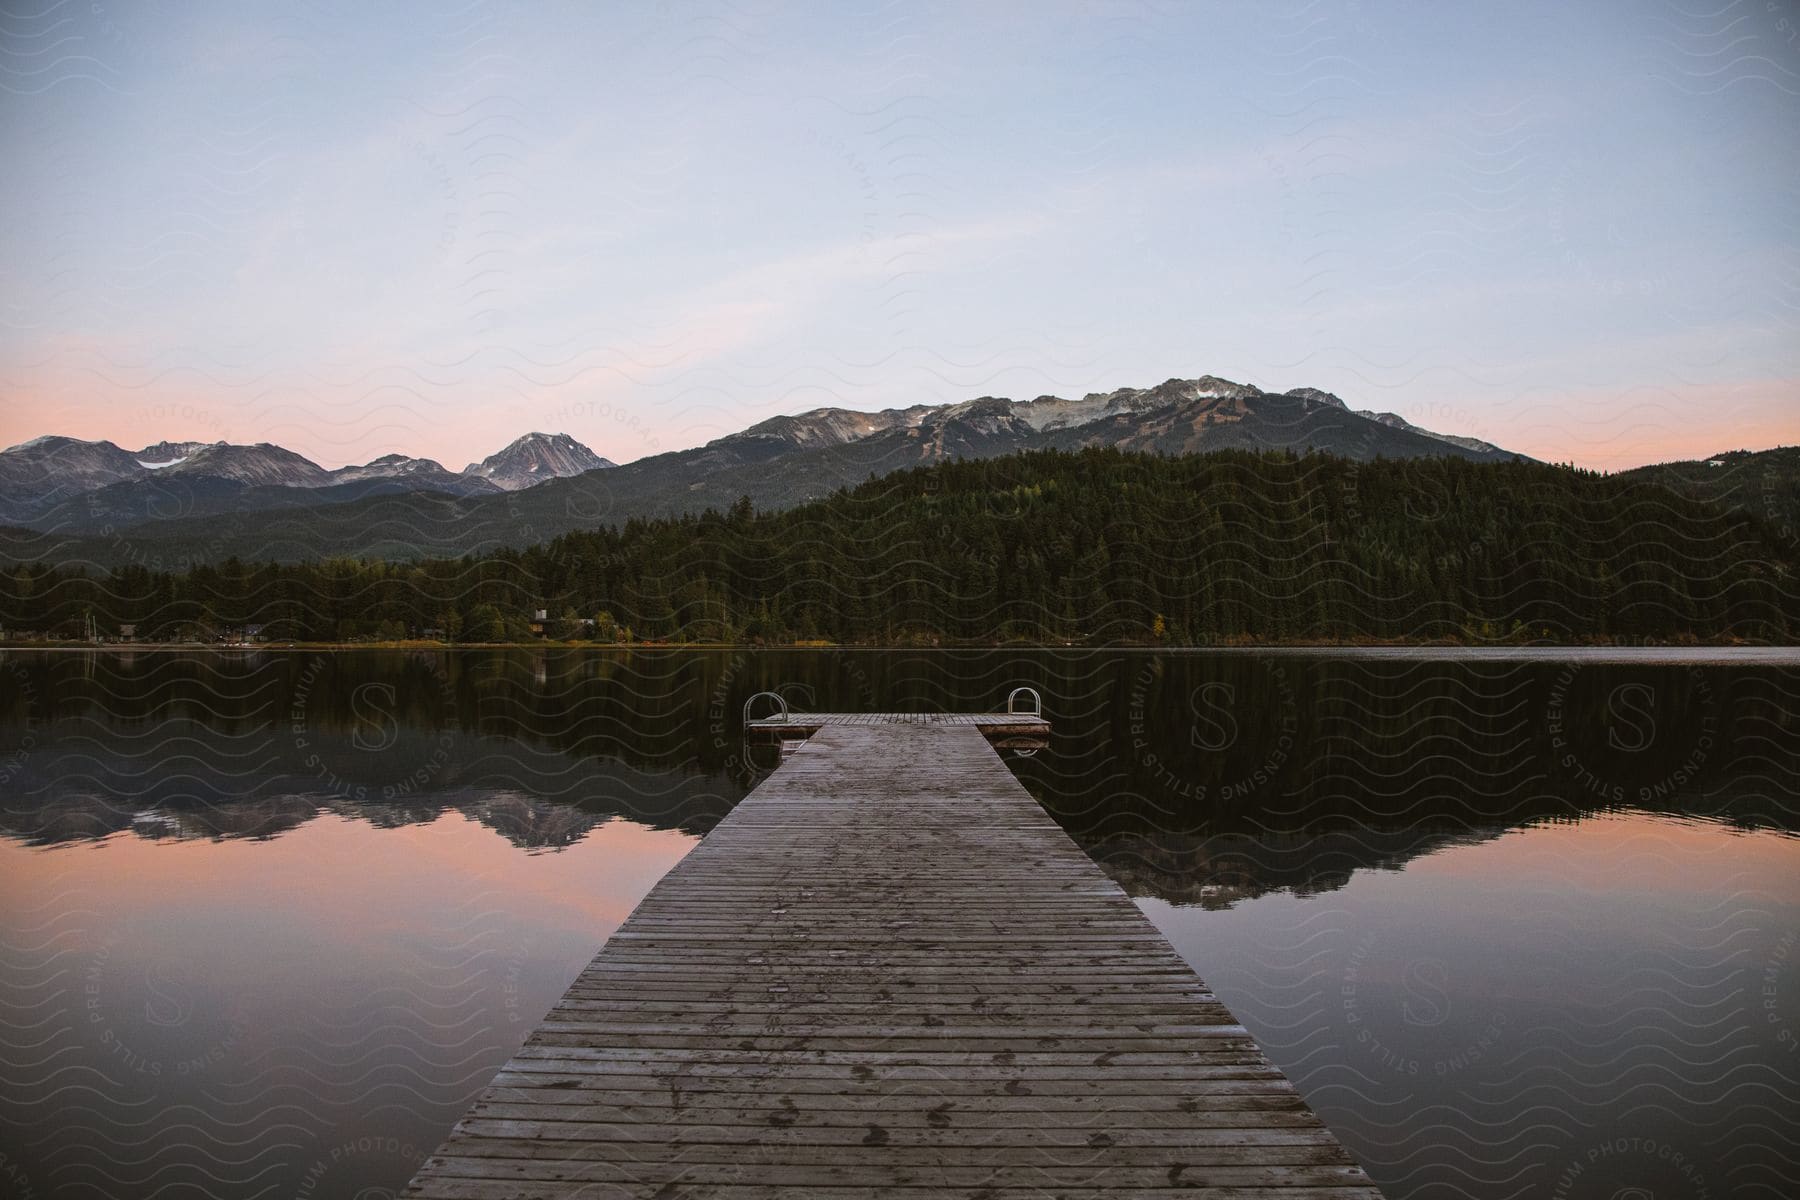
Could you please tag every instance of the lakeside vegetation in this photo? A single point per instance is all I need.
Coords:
(1088, 547)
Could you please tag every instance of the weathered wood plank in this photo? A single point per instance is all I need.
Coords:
(888, 973)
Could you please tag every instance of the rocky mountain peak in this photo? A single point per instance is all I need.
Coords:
(1211, 387)
(831, 426)
(262, 463)
(1314, 396)
(534, 458)
(160, 455)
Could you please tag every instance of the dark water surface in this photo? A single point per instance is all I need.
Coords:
(1516, 927)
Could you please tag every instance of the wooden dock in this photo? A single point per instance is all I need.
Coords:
(888, 973)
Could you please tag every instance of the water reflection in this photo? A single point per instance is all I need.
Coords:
(1156, 757)
(255, 744)
(272, 918)
(293, 1016)
(1570, 1008)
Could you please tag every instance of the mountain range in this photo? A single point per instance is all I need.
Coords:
(183, 502)
(65, 484)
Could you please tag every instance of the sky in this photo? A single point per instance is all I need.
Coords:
(354, 230)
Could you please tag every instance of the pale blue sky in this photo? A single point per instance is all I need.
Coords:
(1570, 229)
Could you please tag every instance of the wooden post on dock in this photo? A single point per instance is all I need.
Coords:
(889, 969)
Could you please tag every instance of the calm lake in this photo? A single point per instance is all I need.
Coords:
(1518, 926)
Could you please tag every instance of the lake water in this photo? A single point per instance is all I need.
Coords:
(1516, 925)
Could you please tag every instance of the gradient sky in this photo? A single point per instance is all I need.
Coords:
(357, 229)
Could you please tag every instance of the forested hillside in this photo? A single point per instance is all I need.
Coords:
(1764, 483)
(1089, 546)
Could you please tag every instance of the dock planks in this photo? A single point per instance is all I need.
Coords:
(888, 973)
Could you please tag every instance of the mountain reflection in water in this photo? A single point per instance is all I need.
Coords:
(1241, 771)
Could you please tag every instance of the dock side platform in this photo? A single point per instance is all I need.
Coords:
(888, 973)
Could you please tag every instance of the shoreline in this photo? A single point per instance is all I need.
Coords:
(1773, 654)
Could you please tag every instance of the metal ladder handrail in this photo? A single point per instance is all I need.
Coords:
(1037, 701)
(1037, 710)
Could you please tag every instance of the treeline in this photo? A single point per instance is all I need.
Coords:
(1089, 547)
